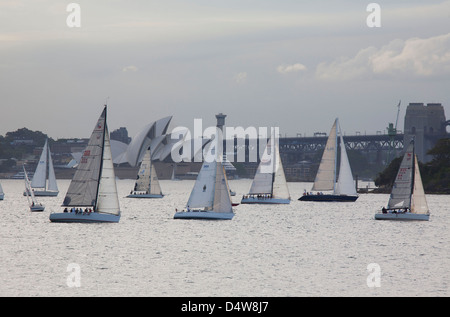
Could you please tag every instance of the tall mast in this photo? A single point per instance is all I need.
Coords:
(335, 156)
(413, 172)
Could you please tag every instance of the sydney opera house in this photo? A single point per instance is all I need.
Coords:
(161, 143)
(153, 135)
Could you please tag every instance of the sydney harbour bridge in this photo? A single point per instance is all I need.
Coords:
(297, 149)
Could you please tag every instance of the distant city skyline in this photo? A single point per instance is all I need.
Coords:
(290, 64)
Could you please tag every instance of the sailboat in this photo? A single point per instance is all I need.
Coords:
(43, 183)
(174, 169)
(344, 190)
(93, 186)
(34, 205)
(147, 184)
(210, 198)
(2, 193)
(269, 184)
(407, 200)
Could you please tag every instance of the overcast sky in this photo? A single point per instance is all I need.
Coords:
(292, 64)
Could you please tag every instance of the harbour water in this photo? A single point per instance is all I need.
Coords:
(301, 249)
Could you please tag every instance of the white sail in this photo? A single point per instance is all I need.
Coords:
(143, 177)
(40, 174)
(107, 199)
(345, 184)
(84, 185)
(418, 201)
(155, 188)
(202, 195)
(269, 177)
(222, 199)
(263, 180)
(173, 171)
(402, 188)
(326, 174)
(52, 186)
(28, 189)
(280, 188)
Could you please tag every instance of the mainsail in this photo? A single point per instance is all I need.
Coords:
(28, 190)
(211, 191)
(147, 180)
(326, 174)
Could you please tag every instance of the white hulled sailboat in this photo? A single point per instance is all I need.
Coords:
(210, 198)
(407, 200)
(44, 180)
(2, 193)
(93, 186)
(34, 205)
(147, 183)
(344, 190)
(269, 184)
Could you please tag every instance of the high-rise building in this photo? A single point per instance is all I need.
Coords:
(121, 135)
(427, 124)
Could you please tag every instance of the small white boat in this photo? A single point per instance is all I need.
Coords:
(147, 183)
(210, 198)
(43, 182)
(269, 185)
(35, 206)
(407, 200)
(93, 187)
(342, 190)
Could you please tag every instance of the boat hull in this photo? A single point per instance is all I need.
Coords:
(205, 215)
(268, 201)
(145, 196)
(341, 198)
(37, 208)
(43, 193)
(92, 217)
(402, 216)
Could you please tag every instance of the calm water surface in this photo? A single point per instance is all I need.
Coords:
(302, 249)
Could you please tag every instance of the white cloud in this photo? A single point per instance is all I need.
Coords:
(414, 57)
(284, 69)
(241, 78)
(130, 68)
